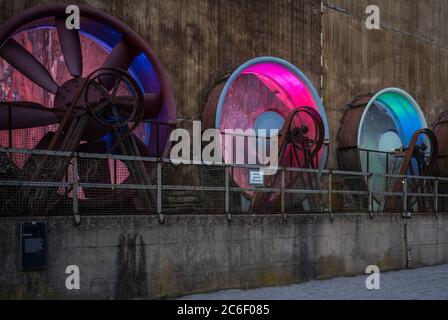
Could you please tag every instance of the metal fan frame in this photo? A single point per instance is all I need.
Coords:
(137, 107)
(349, 153)
(212, 109)
(47, 15)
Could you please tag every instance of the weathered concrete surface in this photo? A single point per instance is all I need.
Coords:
(427, 240)
(135, 257)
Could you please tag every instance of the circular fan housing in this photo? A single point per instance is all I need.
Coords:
(260, 94)
(374, 128)
(42, 66)
(104, 42)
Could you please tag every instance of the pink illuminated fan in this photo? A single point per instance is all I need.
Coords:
(44, 66)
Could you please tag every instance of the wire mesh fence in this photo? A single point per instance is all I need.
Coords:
(350, 192)
(57, 183)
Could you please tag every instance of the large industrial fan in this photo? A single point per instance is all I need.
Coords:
(269, 94)
(387, 134)
(100, 89)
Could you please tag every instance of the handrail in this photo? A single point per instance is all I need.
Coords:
(329, 188)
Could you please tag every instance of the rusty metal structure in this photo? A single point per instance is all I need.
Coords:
(113, 96)
(387, 134)
(441, 132)
(441, 169)
(297, 149)
(262, 95)
(123, 105)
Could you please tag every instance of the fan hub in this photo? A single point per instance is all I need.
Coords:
(66, 93)
(63, 100)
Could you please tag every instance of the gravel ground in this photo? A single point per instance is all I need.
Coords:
(418, 284)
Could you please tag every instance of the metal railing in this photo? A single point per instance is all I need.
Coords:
(59, 183)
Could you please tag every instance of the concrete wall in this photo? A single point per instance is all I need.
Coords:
(135, 257)
(427, 239)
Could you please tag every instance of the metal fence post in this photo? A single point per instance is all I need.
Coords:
(405, 198)
(369, 185)
(227, 193)
(368, 160)
(436, 191)
(330, 191)
(282, 206)
(283, 201)
(159, 192)
(76, 215)
(115, 174)
(10, 143)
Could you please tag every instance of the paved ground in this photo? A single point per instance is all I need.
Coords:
(419, 284)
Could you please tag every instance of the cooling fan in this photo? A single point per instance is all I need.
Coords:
(387, 133)
(270, 94)
(100, 89)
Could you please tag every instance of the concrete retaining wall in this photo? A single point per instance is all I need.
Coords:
(136, 257)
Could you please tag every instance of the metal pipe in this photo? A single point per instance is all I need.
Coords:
(159, 190)
(330, 182)
(369, 185)
(115, 173)
(436, 191)
(368, 161)
(282, 192)
(227, 192)
(405, 196)
(10, 125)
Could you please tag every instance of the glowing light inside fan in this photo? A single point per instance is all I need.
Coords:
(259, 95)
(294, 88)
(390, 120)
(97, 41)
(141, 69)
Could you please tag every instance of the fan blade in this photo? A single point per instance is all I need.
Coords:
(121, 57)
(44, 143)
(94, 170)
(17, 56)
(71, 47)
(152, 104)
(22, 115)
